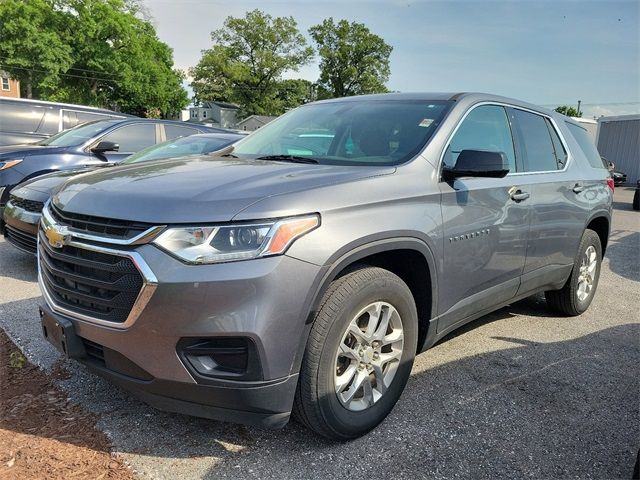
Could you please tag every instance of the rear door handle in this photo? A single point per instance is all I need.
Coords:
(578, 188)
(518, 195)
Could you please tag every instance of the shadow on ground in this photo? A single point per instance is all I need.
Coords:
(565, 409)
(623, 253)
(16, 264)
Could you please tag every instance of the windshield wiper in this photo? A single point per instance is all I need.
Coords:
(288, 158)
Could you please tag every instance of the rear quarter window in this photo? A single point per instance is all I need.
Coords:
(586, 145)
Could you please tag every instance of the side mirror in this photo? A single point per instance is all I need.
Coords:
(106, 147)
(478, 163)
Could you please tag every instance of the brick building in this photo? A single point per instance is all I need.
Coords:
(8, 86)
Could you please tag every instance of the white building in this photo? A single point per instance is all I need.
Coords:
(254, 122)
(215, 114)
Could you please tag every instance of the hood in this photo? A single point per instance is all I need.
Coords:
(18, 151)
(195, 190)
(48, 182)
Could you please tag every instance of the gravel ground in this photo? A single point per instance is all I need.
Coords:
(518, 393)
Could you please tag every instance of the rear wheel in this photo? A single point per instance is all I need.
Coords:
(576, 295)
(359, 354)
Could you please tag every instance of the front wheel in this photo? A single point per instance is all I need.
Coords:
(359, 354)
(576, 295)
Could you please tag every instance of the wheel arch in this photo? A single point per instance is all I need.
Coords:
(382, 253)
(600, 222)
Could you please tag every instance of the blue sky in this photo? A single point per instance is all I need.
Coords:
(545, 52)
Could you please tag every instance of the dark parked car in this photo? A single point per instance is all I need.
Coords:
(92, 143)
(22, 212)
(305, 276)
(619, 178)
(28, 121)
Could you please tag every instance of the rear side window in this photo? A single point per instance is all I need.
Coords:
(538, 150)
(484, 128)
(21, 117)
(175, 131)
(561, 153)
(71, 118)
(133, 138)
(586, 145)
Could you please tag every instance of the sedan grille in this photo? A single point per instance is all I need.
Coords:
(99, 285)
(22, 240)
(123, 229)
(28, 205)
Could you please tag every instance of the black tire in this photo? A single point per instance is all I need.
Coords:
(636, 199)
(316, 404)
(566, 299)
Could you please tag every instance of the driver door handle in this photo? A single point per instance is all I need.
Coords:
(518, 195)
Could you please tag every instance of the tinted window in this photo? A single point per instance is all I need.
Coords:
(133, 138)
(363, 132)
(484, 128)
(79, 134)
(539, 154)
(561, 153)
(193, 145)
(21, 117)
(71, 118)
(586, 145)
(175, 131)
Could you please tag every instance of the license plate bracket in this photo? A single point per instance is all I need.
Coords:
(60, 333)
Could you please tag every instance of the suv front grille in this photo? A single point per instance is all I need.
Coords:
(123, 229)
(99, 285)
(28, 205)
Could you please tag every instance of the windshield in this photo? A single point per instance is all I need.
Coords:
(181, 147)
(78, 135)
(364, 132)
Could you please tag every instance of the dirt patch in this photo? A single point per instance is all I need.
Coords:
(42, 434)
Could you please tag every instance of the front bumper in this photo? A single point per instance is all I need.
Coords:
(266, 404)
(263, 300)
(20, 227)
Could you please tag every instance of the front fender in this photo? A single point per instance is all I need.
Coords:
(351, 254)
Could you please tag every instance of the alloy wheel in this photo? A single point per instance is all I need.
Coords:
(368, 356)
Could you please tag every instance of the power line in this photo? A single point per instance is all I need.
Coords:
(112, 80)
(607, 104)
(75, 68)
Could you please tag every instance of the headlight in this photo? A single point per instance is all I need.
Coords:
(4, 164)
(232, 242)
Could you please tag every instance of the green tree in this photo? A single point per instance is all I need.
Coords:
(246, 63)
(93, 52)
(33, 48)
(292, 93)
(353, 61)
(568, 111)
(119, 61)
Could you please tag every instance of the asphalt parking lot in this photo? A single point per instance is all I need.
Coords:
(518, 393)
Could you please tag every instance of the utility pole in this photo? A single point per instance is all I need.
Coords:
(579, 102)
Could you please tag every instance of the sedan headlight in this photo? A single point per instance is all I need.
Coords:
(4, 164)
(227, 243)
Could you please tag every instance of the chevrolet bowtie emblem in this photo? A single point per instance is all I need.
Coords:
(57, 236)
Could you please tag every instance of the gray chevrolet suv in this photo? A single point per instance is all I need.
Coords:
(303, 270)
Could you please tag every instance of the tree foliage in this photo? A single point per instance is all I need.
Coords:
(103, 54)
(353, 61)
(33, 44)
(568, 111)
(247, 61)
